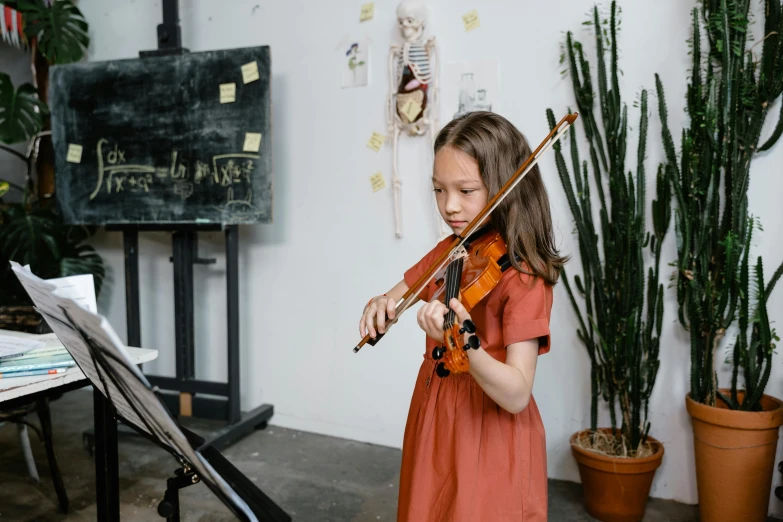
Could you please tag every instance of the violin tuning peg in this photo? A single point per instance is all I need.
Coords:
(438, 352)
(441, 370)
(474, 342)
(468, 326)
(466, 347)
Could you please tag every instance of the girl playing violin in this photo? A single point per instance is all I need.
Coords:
(474, 448)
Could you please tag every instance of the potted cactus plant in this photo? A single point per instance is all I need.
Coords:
(622, 298)
(733, 85)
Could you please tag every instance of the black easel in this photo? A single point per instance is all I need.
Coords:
(184, 256)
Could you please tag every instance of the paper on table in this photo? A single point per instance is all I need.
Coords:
(81, 331)
(10, 345)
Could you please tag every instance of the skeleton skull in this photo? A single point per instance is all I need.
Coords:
(412, 19)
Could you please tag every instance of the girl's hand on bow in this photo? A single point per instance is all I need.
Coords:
(373, 319)
(431, 316)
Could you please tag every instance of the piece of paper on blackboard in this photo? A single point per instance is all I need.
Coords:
(228, 92)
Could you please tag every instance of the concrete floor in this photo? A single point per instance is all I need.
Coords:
(313, 477)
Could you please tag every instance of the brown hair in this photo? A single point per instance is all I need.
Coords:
(523, 217)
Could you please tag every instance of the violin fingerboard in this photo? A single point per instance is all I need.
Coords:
(453, 281)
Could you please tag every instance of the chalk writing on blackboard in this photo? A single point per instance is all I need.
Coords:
(116, 175)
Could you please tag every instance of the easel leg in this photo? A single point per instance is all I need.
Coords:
(184, 246)
(107, 488)
(131, 242)
(232, 305)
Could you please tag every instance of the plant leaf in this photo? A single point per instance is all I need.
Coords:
(21, 112)
(60, 29)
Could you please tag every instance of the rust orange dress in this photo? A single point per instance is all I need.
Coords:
(464, 458)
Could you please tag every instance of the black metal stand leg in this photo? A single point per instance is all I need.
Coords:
(107, 488)
(42, 407)
(169, 506)
(132, 313)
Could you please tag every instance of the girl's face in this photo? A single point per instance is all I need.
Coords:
(459, 190)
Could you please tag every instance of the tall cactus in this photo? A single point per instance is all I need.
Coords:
(730, 93)
(621, 336)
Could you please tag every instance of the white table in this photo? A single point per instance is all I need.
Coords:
(19, 390)
(15, 387)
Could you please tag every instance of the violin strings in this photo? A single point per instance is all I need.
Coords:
(453, 277)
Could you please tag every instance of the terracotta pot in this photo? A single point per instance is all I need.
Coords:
(735, 454)
(616, 488)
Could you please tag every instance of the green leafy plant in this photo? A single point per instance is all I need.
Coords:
(36, 236)
(622, 339)
(731, 91)
(31, 230)
(21, 112)
(59, 28)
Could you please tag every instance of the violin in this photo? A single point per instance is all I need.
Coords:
(474, 271)
(472, 280)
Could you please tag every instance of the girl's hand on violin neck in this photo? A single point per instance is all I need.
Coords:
(431, 316)
(375, 315)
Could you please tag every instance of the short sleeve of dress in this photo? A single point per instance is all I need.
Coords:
(526, 310)
(416, 271)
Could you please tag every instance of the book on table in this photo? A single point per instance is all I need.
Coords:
(45, 361)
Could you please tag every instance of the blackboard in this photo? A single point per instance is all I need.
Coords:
(157, 140)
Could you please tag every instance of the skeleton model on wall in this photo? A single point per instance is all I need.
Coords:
(412, 105)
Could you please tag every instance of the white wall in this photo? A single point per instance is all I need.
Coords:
(305, 278)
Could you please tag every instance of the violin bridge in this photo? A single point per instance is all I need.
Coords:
(458, 252)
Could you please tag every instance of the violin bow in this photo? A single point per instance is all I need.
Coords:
(413, 292)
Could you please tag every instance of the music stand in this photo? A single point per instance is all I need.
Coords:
(99, 353)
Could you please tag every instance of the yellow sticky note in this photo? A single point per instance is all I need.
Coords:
(252, 142)
(228, 92)
(376, 141)
(377, 181)
(411, 109)
(471, 20)
(74, 153)
(368, 10)
(250, 72)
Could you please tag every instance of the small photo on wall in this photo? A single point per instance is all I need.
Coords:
(355, 64)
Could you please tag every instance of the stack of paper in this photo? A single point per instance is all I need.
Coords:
(12, 345)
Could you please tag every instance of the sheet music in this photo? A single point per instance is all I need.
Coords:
(80, 288)
(80, 330)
